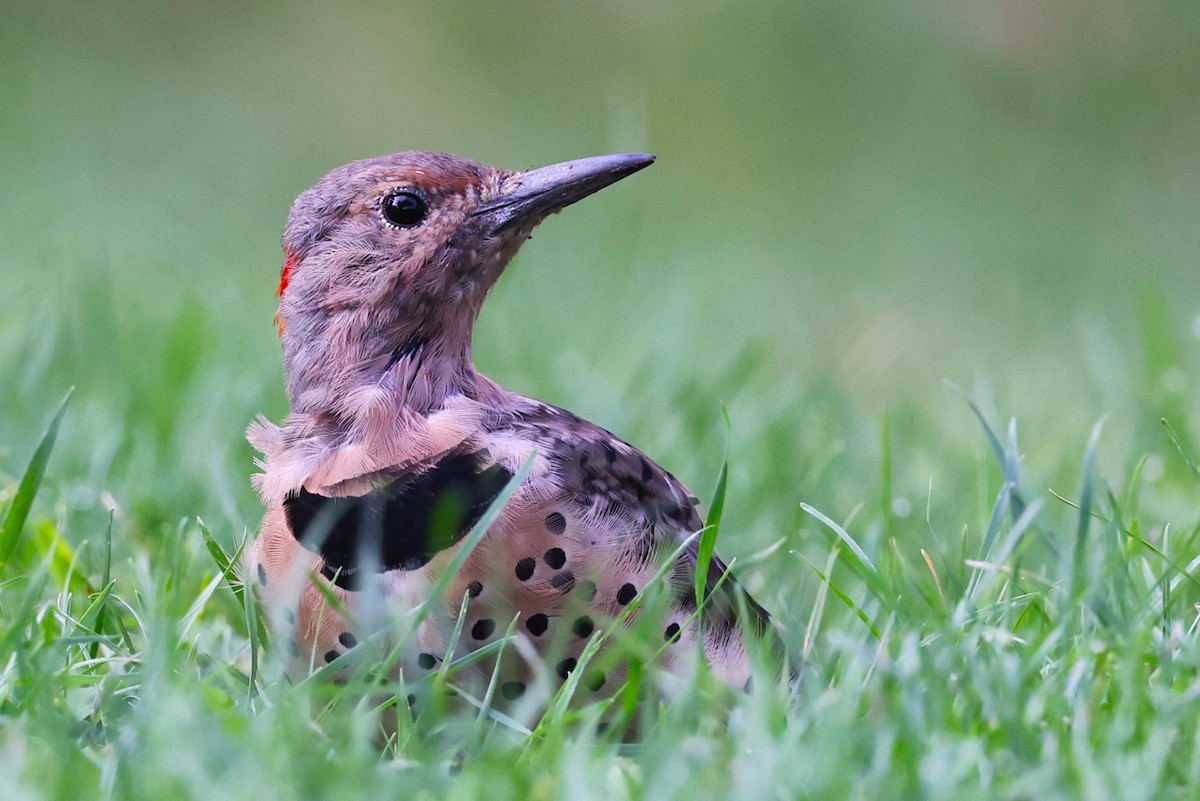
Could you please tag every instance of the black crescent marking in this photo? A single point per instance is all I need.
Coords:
(398, 526)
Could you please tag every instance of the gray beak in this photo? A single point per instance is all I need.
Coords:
(540, 192)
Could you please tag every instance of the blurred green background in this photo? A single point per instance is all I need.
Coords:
(853, 202)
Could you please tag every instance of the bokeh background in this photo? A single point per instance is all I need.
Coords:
(853, 205)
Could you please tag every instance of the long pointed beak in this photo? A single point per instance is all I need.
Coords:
(546, 190)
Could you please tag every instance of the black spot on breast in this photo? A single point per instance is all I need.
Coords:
(289, 616)
(555, 557)
(347, 639)
(512, 690)
(262, 574)
(594, 680)
(626, 594)
(586, 589)
(474, 588)
(483, 628)
(537, 624)
(671, 633)
(524, 568)
(330, 656)
(556, 523)
(400, 525)
(565, 667)
(426, 661)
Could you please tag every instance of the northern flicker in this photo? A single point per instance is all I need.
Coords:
(395, 445)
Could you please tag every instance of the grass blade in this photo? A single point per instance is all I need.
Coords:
(999, 511)
(854, 547)
(1179, 447)
(992, 440)
(818, 608)
(1008, 458)
(708, 535)
(18, 512)
(885, 470)
(846, 599)
(1086, 497)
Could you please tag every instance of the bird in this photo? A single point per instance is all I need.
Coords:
(395, 447)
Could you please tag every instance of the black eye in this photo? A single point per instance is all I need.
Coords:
(404, 209)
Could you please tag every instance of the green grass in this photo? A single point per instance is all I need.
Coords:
(970, 630)
(874, 237)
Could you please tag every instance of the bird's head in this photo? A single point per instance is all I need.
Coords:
(388, 260)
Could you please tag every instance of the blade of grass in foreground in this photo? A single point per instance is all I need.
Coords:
(18, 512)
(818, 607)
(1007, 458)
(845, 537)
(1086, 495)
(1179, 447)
(846, 599)
(708, 535)
(885, 475)
(999, 511)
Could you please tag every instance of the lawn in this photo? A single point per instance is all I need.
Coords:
(938, 266)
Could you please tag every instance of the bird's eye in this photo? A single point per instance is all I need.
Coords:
(404, 209)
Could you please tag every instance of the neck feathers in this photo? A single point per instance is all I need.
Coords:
(347, 375)
(367, 404)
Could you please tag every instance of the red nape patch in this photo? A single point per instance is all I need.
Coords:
(285, 274)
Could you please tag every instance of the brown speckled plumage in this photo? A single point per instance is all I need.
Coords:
(389, 419)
